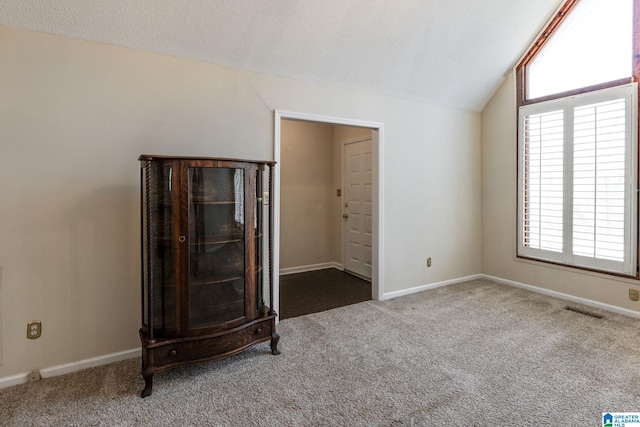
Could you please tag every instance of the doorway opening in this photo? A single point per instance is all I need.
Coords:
(326, 221)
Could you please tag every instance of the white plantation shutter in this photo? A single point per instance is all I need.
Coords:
(599, 180)
(543, 209)
(577, 180)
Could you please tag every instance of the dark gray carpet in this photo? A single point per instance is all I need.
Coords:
(470, 354)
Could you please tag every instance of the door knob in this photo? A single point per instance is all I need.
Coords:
(345, 216)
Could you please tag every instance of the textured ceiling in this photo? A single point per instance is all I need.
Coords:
(450, 52)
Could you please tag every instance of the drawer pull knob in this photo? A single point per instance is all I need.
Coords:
(172, 353)
(258, 331)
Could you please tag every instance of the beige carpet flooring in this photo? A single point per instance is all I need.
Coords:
(470, 354)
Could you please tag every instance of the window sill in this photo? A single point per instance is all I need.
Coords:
(579, 270)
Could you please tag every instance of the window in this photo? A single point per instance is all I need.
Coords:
(577, 56)
(577, 140)
(577, 187)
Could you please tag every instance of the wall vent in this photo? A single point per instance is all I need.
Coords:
(585, 312)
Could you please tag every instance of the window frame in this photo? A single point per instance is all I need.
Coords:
(567, 107)
(522, 100)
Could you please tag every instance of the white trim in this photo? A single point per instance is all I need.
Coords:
(128, 354)
(312, 267)
(531, 288)
(421, 288)
(377, 136)
(13, 380)
(566, 297)
(68, 368)
(567, 106)
(377, 275)
(275, 199)
(327, 119)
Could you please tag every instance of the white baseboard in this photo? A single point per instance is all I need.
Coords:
(313, 267)
(554, 294)
(566, 297)
(128, 354)
(395, 294)
(13, 380)
(54, 371)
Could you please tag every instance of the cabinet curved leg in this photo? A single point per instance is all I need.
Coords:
(147, 374)
(274, 343)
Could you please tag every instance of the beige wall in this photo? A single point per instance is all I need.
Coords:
(499, 216)
(306, 190)
(310, 174)
(75, 115)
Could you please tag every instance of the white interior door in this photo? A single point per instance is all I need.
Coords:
(357, 226)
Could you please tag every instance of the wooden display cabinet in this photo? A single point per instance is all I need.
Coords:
(203, 276)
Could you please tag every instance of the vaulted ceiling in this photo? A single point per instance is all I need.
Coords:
(449, 52)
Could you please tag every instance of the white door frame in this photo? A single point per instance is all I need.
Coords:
(377, 128)
(343, 145)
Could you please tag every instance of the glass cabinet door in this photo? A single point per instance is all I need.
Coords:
(216, 245)
(258, 233)
(158, 271)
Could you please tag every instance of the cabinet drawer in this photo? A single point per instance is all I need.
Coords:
(210, 348)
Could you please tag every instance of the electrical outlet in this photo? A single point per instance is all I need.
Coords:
(34, 329)
(34, 376)
(429, 262)
(634, 294)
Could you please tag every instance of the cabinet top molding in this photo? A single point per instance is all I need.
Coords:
(144, 157)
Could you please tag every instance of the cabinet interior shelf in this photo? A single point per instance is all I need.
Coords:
(216, 279)
(218, 240)
(202, 201)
